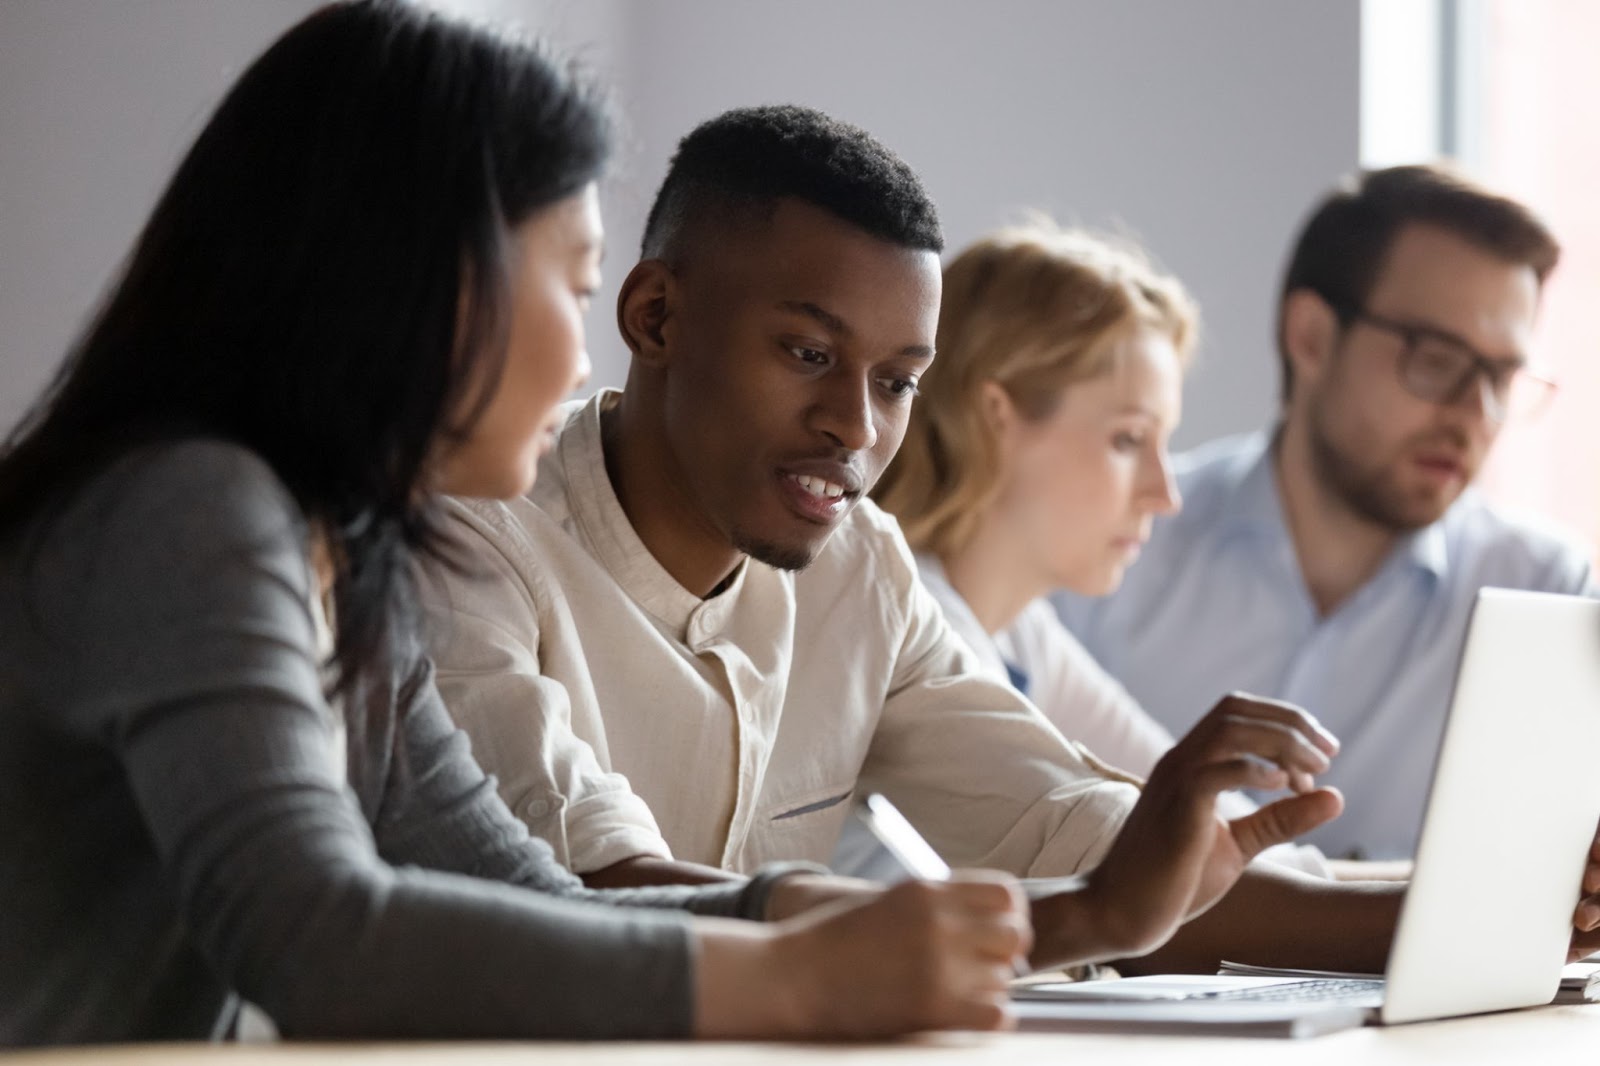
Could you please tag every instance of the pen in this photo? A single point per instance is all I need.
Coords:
(901, 840)
(914, 854)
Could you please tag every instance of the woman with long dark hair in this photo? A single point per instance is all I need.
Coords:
(224, 771)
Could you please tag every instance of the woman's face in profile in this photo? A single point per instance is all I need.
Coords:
(554, 273)
(1083, 484)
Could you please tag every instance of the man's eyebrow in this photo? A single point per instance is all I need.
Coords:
(1418, 326)
(828, 319)
(834, 324)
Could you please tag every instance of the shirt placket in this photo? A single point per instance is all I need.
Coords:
(752, 739)
(1318, 676)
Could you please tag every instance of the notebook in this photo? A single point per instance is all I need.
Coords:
(1511, 812)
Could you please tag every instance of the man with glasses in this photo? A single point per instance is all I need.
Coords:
(1332, 561)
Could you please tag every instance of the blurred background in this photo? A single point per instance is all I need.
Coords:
(1202, 128)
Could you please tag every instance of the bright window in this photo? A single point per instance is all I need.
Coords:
(1529, 106)
(1511, 90)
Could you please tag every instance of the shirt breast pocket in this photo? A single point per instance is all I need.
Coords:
(807, 806)
(804, 825)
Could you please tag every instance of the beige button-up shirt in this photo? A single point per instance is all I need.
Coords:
(625, 716)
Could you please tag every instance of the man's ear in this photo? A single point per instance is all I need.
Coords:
(1310, 335)
(645, 310)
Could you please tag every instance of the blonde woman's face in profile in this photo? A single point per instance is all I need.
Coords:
(554, 272)
(1083, 485)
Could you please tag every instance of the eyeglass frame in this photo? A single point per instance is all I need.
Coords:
(1482, 367)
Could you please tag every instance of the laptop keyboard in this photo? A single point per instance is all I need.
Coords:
(1315, 990)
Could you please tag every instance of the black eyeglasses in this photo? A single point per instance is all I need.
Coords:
(1440, 367)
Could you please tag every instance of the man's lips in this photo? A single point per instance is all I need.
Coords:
(819, 490)
(1441, 465)
(825, 476)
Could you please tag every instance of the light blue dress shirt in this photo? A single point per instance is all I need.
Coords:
(1217, 603)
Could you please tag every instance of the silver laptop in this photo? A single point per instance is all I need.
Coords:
(1510, 816)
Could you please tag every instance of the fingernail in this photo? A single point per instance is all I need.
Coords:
(1588, 916)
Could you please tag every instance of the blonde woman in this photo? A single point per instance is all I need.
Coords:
(1036, 459)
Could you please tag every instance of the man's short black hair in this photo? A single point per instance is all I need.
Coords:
(750, 158)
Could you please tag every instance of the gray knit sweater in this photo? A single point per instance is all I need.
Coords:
(177, 828)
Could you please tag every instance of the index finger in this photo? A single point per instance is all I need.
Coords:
(987, 890)
(1284, 713)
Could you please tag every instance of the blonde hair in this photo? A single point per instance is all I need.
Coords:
(1033, 308)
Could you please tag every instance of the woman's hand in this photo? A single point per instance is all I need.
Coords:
(918, 956)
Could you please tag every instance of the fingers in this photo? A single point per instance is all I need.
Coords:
(997, 913)
(1240, 705)
(1285, 819)
(1231, 741)
(1245, 728)
(1287, 714)
(1584, 942)
(1591, 870)
(923, 955)
(980, 1013)
(982, 926)
(1243, 772)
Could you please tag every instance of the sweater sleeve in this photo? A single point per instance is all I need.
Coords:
(175, 589)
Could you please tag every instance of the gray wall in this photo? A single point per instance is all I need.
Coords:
(1202, 128)
(98, 100)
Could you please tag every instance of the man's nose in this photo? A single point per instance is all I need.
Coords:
(1479, 397)
(844, 412)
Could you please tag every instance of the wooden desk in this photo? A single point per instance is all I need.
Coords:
(1545, 1035)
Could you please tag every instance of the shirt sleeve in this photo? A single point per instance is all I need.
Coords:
(441, 811)
(176, 596)
(975, 766)
(486, 632)
(1573, 573)
(1081, 699)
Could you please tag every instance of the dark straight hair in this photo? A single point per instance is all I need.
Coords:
(324, 282)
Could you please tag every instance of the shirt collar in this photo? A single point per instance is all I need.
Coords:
(612, 538)
(1255, 507)
(1428, 549)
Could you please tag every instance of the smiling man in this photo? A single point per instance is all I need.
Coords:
(696, 640)
(1333, 561)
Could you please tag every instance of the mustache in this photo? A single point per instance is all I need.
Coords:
(1450, 438)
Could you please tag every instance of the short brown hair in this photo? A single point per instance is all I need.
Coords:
(1342, 246)
(1034, 308)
